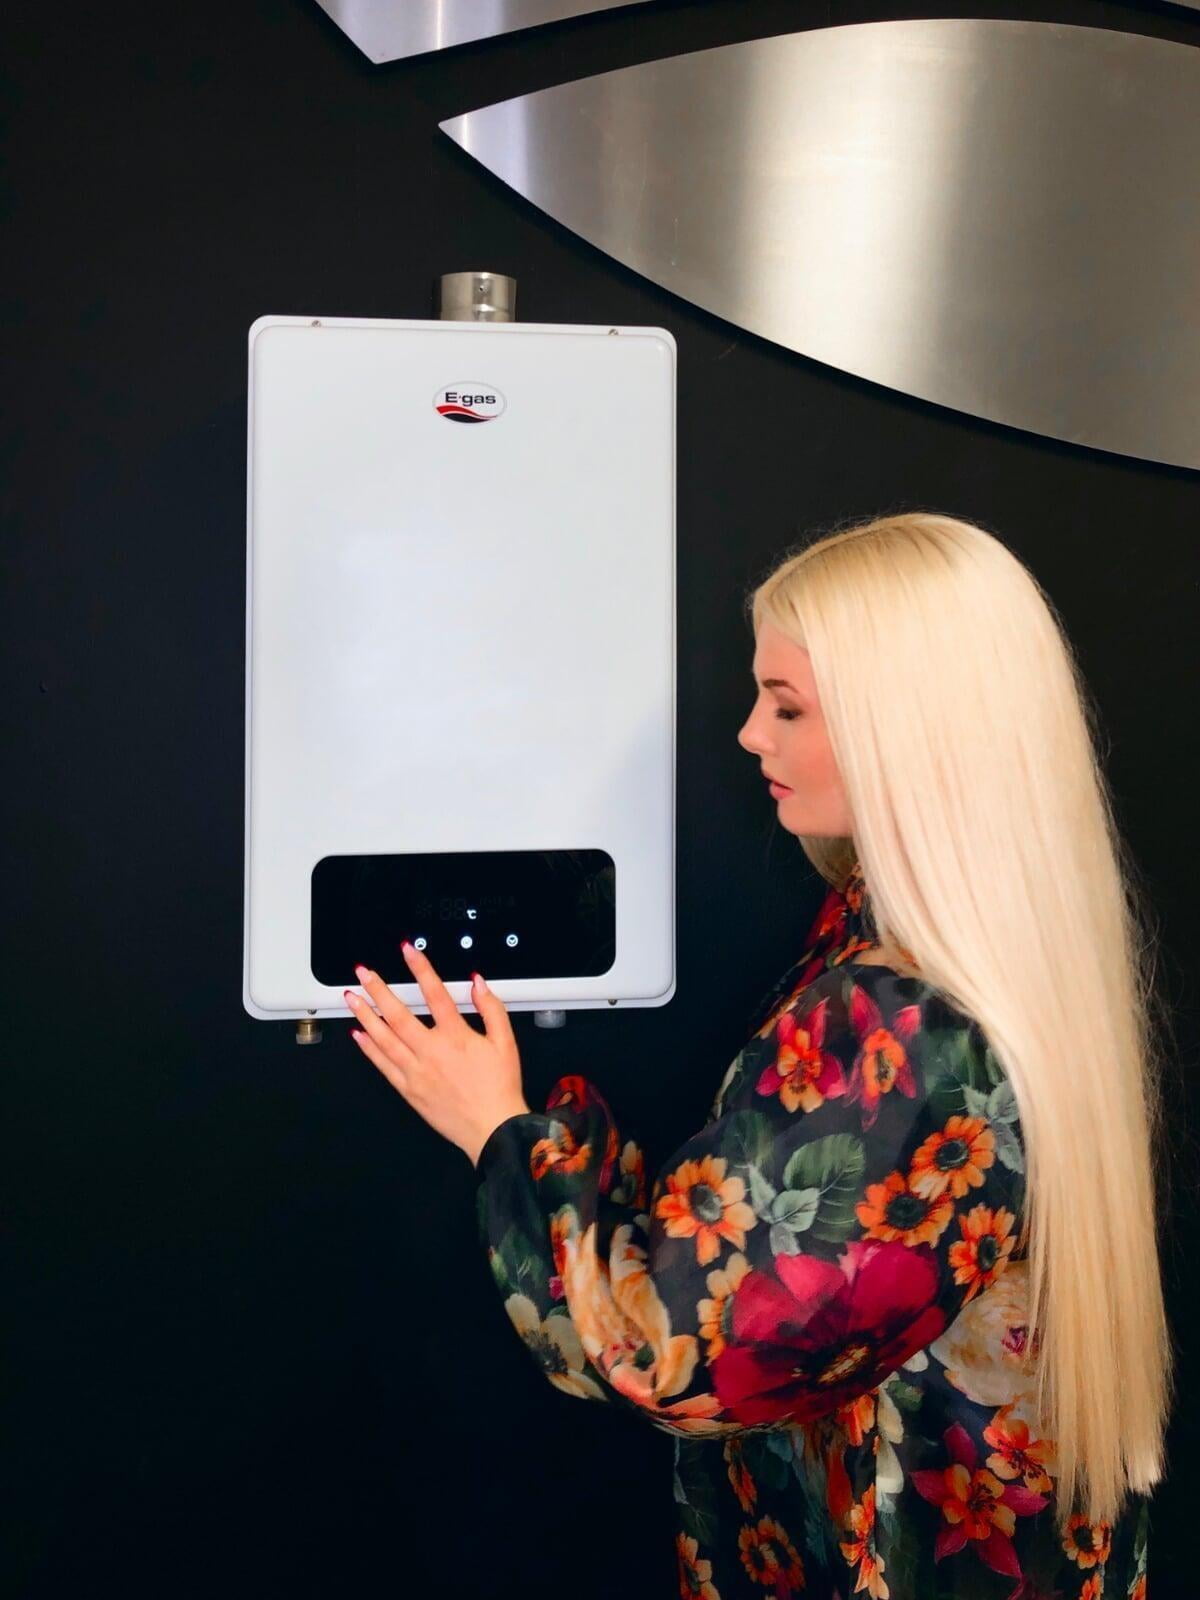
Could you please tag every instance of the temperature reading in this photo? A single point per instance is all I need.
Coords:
(460, 908)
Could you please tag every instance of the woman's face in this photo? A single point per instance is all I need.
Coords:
(786, 731)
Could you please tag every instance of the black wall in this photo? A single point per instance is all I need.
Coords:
(254, 1347)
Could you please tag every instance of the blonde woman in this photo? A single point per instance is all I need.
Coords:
(898, 1301)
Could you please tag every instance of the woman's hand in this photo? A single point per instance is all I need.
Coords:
(463, 1082)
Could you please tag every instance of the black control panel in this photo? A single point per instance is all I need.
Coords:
(505, 913)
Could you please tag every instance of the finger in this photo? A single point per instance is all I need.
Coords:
(496, 1020)
(394, 1074)
(381, 1032)
(437, 997)
(408, 1028)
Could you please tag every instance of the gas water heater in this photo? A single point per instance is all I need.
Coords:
(460, 662)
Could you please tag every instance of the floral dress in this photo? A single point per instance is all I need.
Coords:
(821, 1299)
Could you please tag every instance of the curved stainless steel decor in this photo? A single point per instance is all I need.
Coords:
(388, 30)
(1002, 217)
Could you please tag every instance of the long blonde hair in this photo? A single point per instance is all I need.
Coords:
(965, 738)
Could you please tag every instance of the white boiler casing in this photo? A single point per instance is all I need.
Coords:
(460, 661)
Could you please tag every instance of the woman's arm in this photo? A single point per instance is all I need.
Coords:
(863, 1182)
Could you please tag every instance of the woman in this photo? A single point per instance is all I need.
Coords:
(899, 1300)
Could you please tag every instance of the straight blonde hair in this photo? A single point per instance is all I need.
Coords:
(964, 736)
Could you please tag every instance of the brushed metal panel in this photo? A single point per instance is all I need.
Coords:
(388, 30)
(999, 216)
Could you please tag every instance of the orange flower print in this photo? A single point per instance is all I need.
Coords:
(802, 975)
(560, 1151)
(555, 1345)
(1015, 1454)
(612, 1147)
(744, 1486)
(827, 1443)
(954, 1159)
(894, 1210)
(882, 1063)
(831, 918)
(625, 1329)
(562, 1224)
(1093, 1588)
(851, 949)
(722, 1285)
(1138, 1592)
(854, 893)
(982, 1254)
(803, 1074)
(978, 1510)
(857, 1416)
(695, 1575)
(860, 1551)
(703, 1204)
(771, 1558)
(630, 1188)
(1087, 1543)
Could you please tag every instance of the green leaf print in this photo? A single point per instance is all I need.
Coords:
(698, 1510)
(761, 1193)
(1008, 1147)
(1002, 1102)
(818, 1533)
(798, 1207)
(1141, 1533)
(947, 1099)
(525, 1268)
(732, 1074)
(747, 1139)
(765, 1461)
(502, 1259)
(955, 1052)
(999, 1109)
(897, 1535)
(789, 1212)
(906, 1396)
(999, 1105)
(833, 1168)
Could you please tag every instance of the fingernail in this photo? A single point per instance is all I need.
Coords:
(477, 979)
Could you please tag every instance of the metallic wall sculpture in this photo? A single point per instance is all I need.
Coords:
(998, 216)
(387, 30)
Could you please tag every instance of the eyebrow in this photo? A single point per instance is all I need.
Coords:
(775, 683)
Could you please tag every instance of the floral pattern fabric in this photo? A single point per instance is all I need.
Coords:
(820, 1296)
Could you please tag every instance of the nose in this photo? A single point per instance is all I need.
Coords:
(744, 738)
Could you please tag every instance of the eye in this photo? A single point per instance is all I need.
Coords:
(788, 716)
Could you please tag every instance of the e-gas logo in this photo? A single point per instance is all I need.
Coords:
(469, 402)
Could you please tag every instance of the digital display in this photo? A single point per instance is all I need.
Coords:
(505, 913)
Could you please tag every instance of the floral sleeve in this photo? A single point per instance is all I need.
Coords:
(860, 1181)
